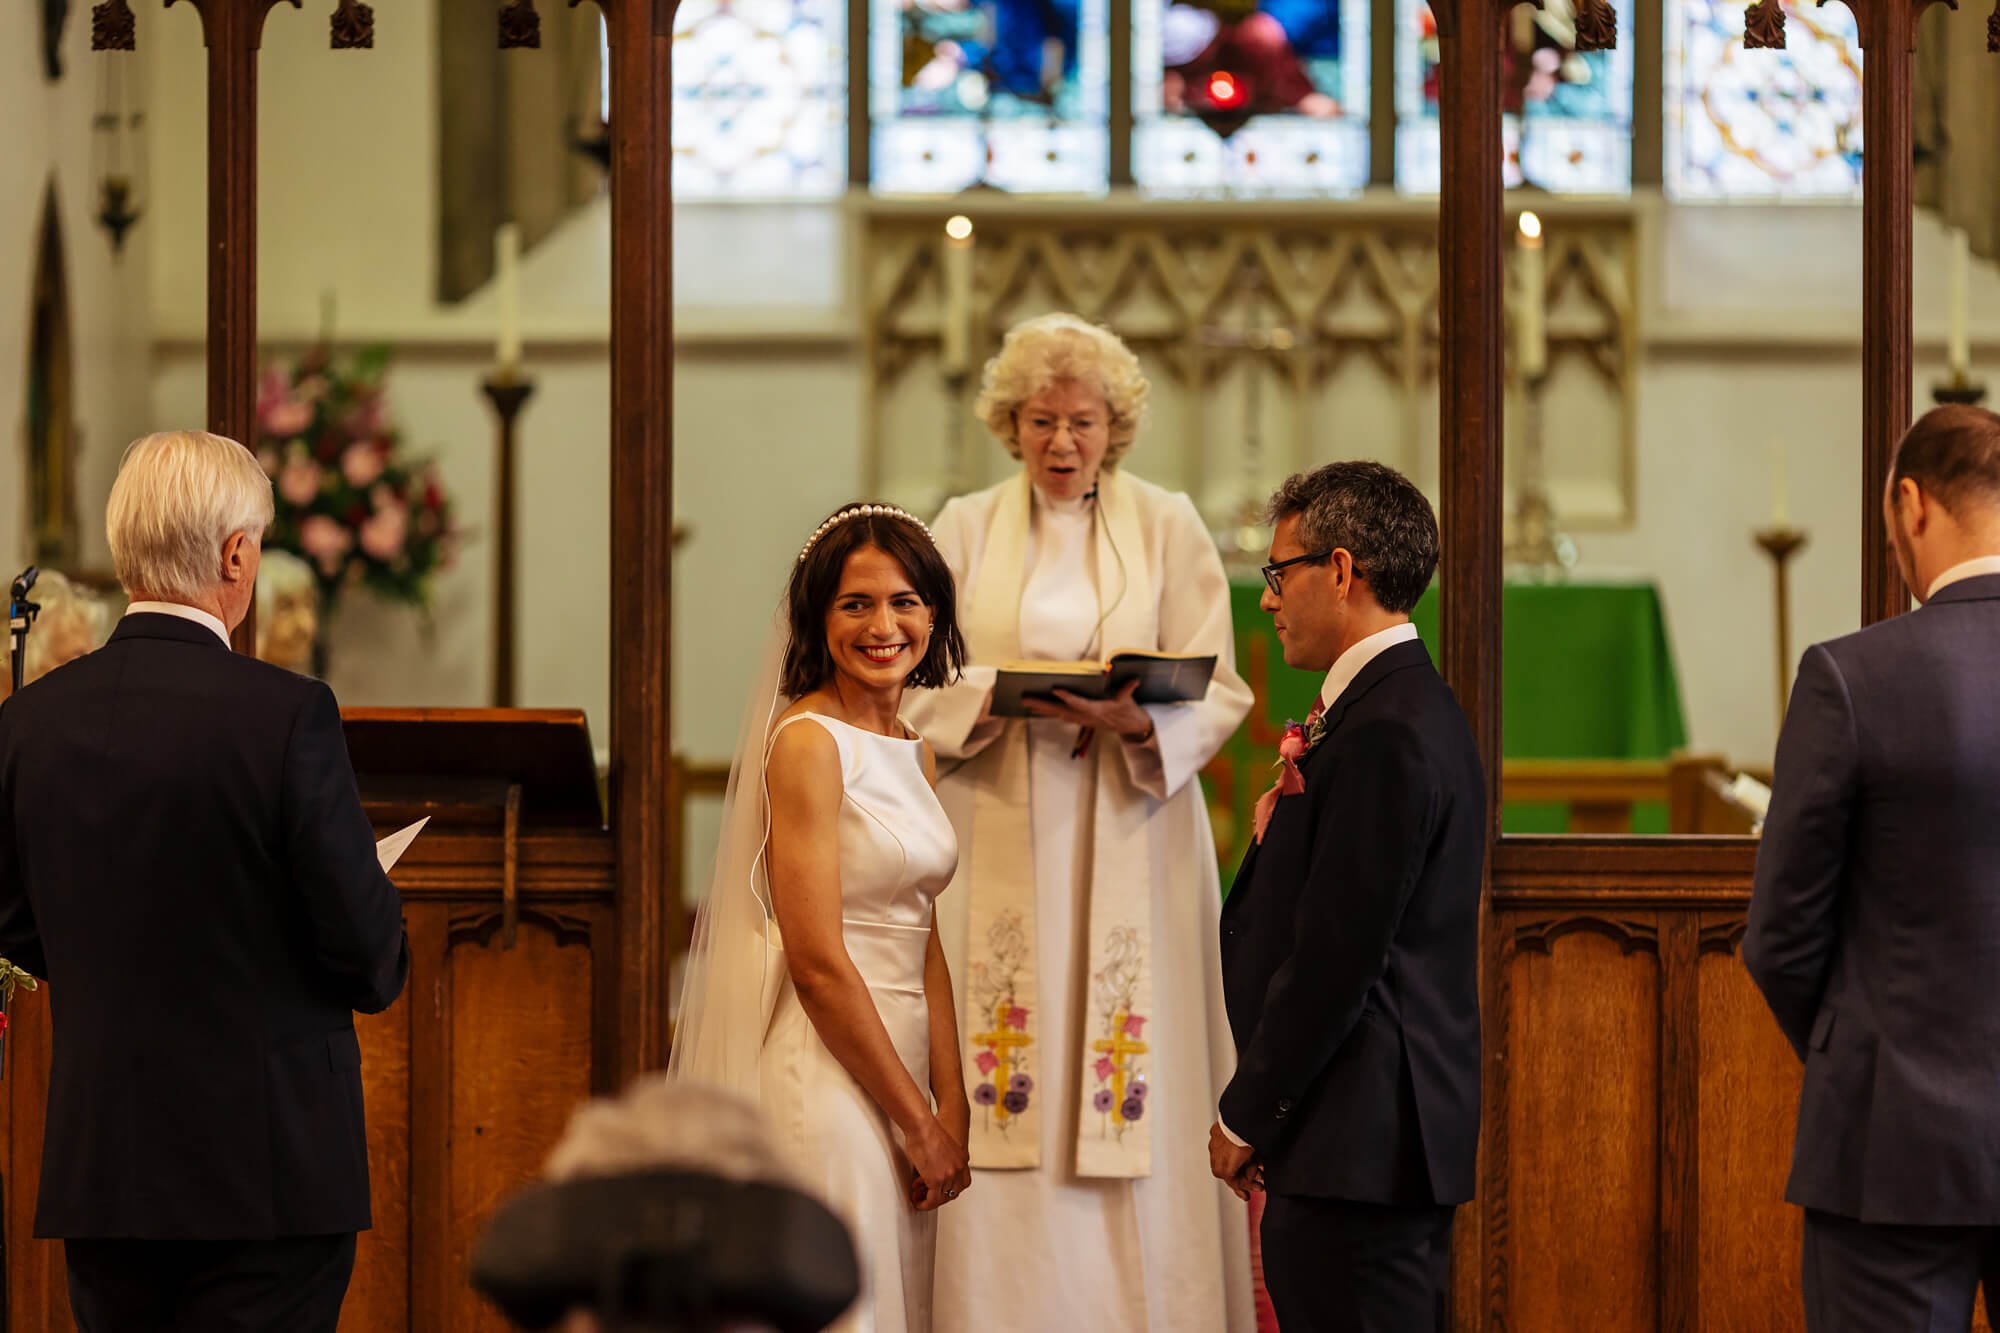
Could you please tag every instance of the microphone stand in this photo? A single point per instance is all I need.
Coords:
(21, 615)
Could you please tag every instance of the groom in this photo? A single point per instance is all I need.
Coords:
(1349, 941)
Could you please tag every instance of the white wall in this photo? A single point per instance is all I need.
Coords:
(1751, 322)
(48, 133)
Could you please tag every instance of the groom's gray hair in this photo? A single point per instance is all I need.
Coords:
(1377, 515)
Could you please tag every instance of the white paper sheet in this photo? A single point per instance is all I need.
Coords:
(390, 850)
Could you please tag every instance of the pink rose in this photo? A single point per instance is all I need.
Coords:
(1292, 745)
(286, 418)
(987, 1061)
(299, 480)
(271, 390)
(1104, 1067)
(1134, 1025)
(384, 532)
(325, 542)
(366, 419)
(362, 463)
(1017, 1018)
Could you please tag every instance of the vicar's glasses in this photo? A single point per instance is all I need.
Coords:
(1274, 574)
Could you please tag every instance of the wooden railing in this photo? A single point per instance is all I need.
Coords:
(1601, 793)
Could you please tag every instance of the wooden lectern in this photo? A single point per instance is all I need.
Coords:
(508, 1021)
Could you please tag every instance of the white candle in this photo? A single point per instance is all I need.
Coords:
(1781, 516)
(1531, 327)
(955, 340)
(1959, 350)
(507, 294)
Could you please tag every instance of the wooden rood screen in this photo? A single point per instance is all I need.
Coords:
(539, 924)
(1639, 1100)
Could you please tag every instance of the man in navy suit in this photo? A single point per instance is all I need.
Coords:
(184, 857)
(1350, 938)
(1875, 921)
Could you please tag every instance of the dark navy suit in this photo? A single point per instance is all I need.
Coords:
(1350, 948)
(184, 857)
(1875, 937)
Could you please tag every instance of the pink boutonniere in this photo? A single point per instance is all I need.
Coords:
(1298, 741)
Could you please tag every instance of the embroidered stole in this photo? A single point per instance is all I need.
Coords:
(1006, 1044)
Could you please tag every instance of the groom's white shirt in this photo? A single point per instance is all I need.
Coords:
(194, 613)
(1345, 668)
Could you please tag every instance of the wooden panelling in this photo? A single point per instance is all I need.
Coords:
(379, 1296)
(37, 1288)
(1580, 998)
(468, 1079)
(520, 1032)
(1749, 1094)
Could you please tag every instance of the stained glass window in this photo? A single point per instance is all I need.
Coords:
(1250, 96)
(760, 99)
(1568, 120)
(1762, 124)
(1008, 93)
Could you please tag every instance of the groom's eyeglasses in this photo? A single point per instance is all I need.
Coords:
(1274, 574)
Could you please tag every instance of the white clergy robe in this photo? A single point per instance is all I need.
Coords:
(1089, 1229)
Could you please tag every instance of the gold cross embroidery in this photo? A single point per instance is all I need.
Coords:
(1003, 1041)
(1118, 1046)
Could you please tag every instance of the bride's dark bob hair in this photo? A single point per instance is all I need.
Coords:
(816, 581)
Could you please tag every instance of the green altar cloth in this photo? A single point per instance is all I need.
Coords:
(1587, 672)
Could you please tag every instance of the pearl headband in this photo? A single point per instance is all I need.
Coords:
(862, 511)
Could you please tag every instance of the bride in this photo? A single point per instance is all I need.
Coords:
(816, 984)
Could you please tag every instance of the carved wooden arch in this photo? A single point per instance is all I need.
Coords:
(1630, 936)
(479, 925)
(1723, 937)
(640, 34)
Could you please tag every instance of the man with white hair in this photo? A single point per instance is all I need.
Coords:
(184, 857)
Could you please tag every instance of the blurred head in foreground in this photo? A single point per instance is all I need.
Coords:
(668, 1208)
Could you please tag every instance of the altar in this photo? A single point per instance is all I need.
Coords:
(1587, 672)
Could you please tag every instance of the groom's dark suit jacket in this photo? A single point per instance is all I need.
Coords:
(1875, 922)
(1350, 953)
(184, 857)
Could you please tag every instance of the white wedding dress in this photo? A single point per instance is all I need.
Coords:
(897, 852)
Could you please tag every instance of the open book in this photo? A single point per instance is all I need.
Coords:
(1164, 678)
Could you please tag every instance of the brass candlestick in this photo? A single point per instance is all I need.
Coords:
(1781, 542)
(508, 390)
(1537, 542)
(1958, 389)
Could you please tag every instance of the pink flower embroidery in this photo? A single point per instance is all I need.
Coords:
(1133, 1025)
(1017, 1018)
(987, 1061)
(1104, 1069)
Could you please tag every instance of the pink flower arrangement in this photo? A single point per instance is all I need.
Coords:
(349, 501)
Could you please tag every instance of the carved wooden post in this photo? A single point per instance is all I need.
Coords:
(233, 30)
(1471, 401)
(1888, 37)
(642, 505)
